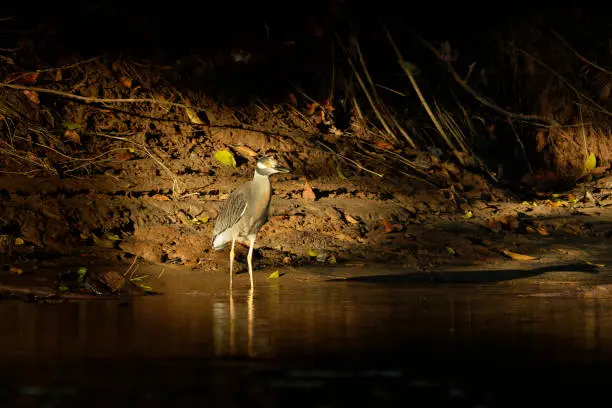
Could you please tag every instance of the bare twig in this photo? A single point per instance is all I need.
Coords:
(562, 79)
(367, 93)
(89, 99)
(417, 89)
(485, 101)
(373, 90)
(580, 56)
(38, 71)
(353, 162)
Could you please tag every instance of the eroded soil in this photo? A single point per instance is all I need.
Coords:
(353, 223)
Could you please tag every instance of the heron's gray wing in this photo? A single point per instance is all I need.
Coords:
(232, 209)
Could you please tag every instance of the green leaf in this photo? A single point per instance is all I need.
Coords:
(590, 163)
(451, 251)
(225, 157)
(71, 126)
(312, 252)
(413, 69)
(274, 275)
(82, 271)
(468, 214)
(112, 237)
(63, 288)
(340, 174)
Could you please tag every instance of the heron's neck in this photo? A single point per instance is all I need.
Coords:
(261, 180)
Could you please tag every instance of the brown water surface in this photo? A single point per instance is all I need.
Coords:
(322, 344)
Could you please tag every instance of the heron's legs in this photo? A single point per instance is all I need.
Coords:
(250, 257)
(232, 260)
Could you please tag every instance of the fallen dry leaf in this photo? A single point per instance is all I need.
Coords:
(16, 271)
(245, 151)
(29, 78)
(554, 203)
(73, 136)
(191, 113)
(32, 96)
(125, 81)
(517, 256)
(58, 76)
(351, 219)
(311, 108)
(124, 155)
(542, 231)
(308, 194)
(384, 145)
(160, 197)
(390, 227)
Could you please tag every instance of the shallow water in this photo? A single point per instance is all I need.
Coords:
(319, 344)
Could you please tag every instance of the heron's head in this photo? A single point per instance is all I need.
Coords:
(267, 166)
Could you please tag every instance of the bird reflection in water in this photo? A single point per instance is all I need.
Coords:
(234, 322)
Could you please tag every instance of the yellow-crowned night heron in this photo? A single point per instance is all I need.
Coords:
(245, 211)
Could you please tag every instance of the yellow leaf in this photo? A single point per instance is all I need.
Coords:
(594, 264)
(71, 126)
(518, 257)
(112, 237)
(590, 163)
(225, 157)
(83, 236)
(193, 116)
(103, 242)
(451, 251)
(131, 149)
(312, 252)
(274, 275)
(468, 215)
(203, 219)
(15, 270)
(19, 241)
(340, 174)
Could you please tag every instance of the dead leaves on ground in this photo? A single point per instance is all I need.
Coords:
(32, 96)
(516, 224)
(391, 227)
(244, 151)
(518, 257)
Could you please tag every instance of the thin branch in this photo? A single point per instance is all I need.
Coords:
(38, 71)
(353, 162)
(366, 92)
(89, 99)
(562, 79)
(580, 56)
(486, 102)
(417, 89)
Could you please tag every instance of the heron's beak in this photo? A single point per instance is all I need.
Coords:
(281, 169)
